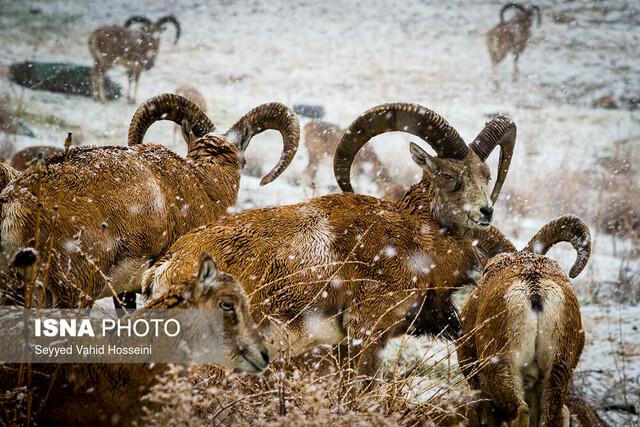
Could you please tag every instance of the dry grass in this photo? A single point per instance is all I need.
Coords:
(306, 391)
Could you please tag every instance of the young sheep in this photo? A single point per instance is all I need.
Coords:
(111, 394)
(103, 212)
(136, 50)
(348, 265)
(522, 329)
(321, 139)
(510, 36)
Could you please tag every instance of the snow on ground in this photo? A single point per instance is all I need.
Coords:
(350, 56)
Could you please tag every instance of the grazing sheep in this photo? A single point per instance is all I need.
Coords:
(522, 329)
(109, 394)
(348, 269)
(511, 36)
(102, 213)
(321, 139)
(136, 50)
(193, 95)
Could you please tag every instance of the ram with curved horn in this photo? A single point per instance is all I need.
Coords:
(321, 139)
(135, 49)
(102, 213)
(522, 329)
(511, 35)
(352, 270)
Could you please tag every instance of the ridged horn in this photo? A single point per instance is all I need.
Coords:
(168, 106)
(172, 19)
(411, 118)
(138, 20)
(509, 6)
(499, 131)
(492, 242)
(275, 116)
(567, 228)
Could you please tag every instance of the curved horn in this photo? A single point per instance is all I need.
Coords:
(509, 6)
(492, 242)
(538, 14)
(567, 228)
(168, 106)
(275, 116)
(499, 131)
(138, 20)
(172, 19)
(403, 117)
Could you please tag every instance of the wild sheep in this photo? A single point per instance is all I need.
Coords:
(103, 212)
(349, 265)
(21, 159)
(321, 139)
(193, 95)
(511, 36)
(111, 394)
(136, 50)
(522, 330)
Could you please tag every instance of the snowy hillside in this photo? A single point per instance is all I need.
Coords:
(352, 55)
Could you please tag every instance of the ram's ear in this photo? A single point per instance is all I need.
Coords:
(187, 132)
(207, 273)
(423, 159)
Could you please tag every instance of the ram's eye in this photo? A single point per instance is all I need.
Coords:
(226, 306)
(452, 182)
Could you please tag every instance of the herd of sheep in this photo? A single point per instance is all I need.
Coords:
(346, 270)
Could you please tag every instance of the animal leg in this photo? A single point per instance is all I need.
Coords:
(566, 416)
(135, 90)
(494, 76)
(522, 419)
(506, 392)
(555, 387)
(312, 170)
(101, 89)
(94, 83)
(515, 68)
(130, 99)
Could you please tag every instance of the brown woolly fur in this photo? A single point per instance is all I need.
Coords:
(321, 139)
(511, 36)
(7, 173)
(136, 50)
(111, 394)
(348, 269)
(522, 330)
(100, 214)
